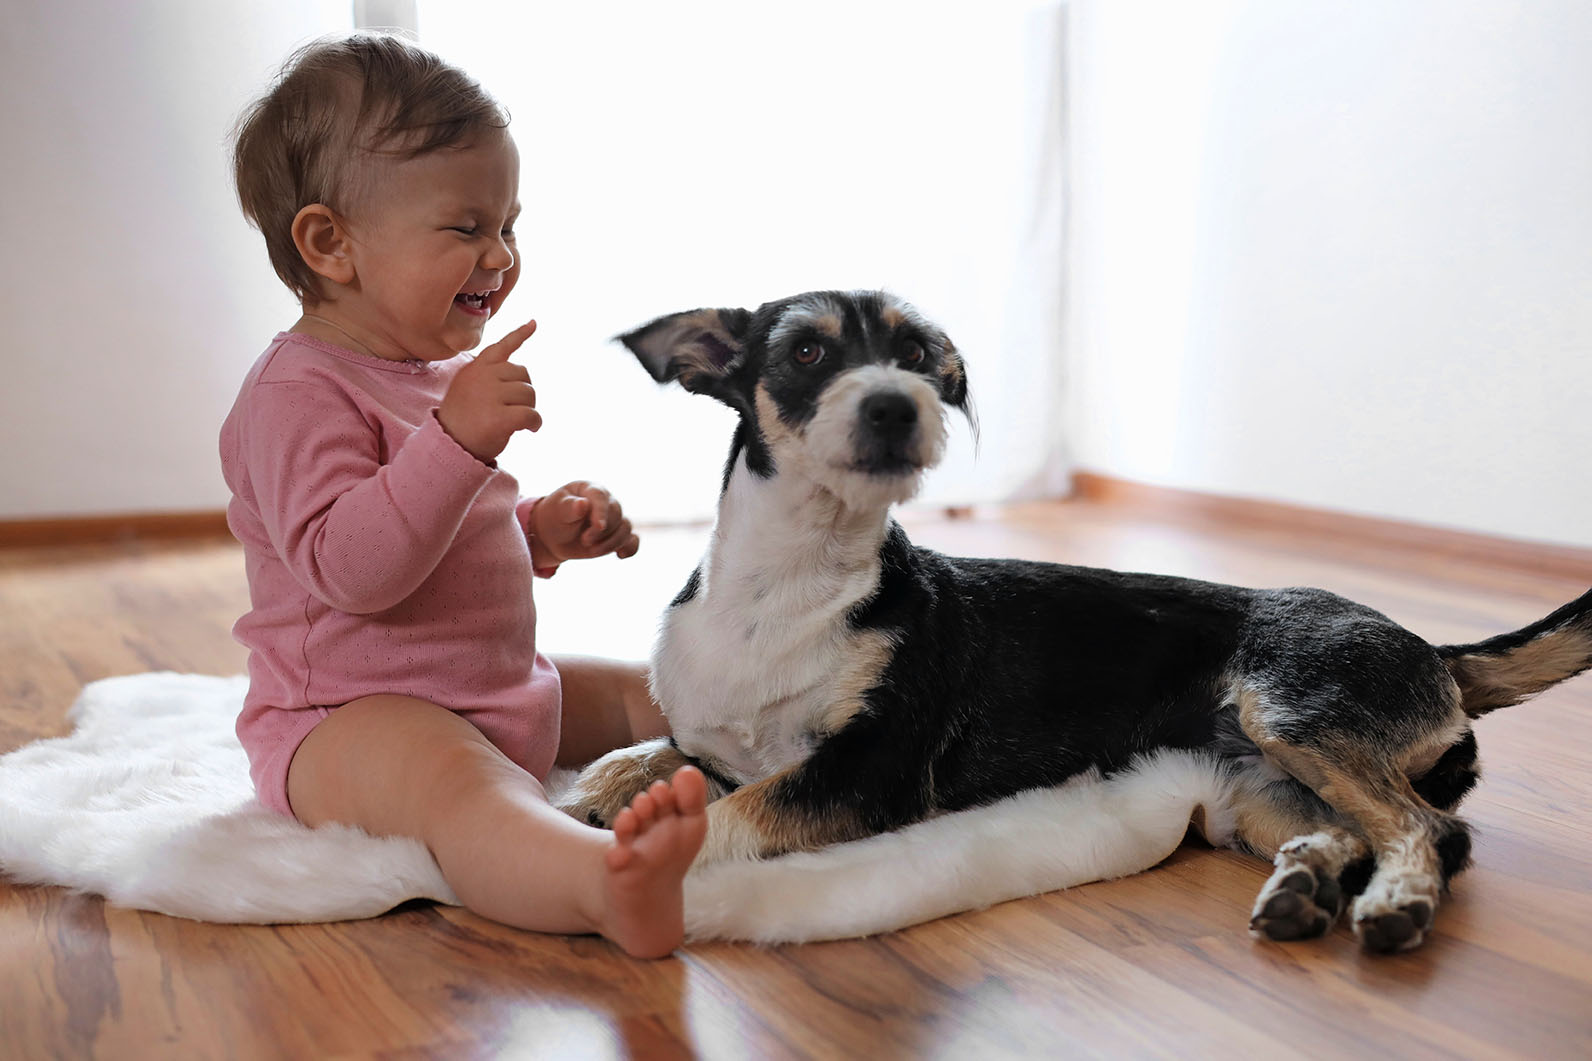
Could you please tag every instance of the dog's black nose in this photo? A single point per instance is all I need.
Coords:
(890, 414)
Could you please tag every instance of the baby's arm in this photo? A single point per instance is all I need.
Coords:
(358, 534)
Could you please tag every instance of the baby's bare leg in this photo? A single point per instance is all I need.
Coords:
(607, 705)
(394, 765)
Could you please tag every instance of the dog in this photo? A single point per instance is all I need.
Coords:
(834, 681)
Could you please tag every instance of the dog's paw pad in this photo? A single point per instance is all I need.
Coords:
(1301, 881)
(1390, 932)
(1281, 931)
(1285, 903)
(1395, 930)
(1295, 905)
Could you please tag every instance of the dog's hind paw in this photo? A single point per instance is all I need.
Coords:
(1395, 931)
(1296, 904)
(1395, 914)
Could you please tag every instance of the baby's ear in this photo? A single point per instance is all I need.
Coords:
(699, 347)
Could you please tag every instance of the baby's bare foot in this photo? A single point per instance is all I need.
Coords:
(655, 839)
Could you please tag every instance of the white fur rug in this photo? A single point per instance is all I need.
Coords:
(148, 803)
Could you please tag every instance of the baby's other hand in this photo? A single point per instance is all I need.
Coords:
(577, 521)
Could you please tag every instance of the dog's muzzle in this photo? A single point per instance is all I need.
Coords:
(887, 434)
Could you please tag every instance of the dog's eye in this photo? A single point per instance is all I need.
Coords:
(911, 352)
(809, 353)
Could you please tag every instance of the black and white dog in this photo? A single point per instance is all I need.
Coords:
(835, 681)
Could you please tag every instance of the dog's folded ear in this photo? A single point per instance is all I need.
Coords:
(953, 377)
(953, 383)
(698, 348)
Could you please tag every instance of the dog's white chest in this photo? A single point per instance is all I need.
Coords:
(762, 660)
(749, 691)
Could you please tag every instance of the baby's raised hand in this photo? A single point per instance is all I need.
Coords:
(491, 398)
(577, 521)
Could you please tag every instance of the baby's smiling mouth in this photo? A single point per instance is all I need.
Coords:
(473, 301)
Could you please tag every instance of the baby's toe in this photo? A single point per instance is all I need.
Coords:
(645, 809)
(626, 826)
(690, 790)
(662, 797)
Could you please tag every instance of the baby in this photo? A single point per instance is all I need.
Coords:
(394, 682)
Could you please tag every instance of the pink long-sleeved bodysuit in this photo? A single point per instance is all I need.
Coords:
(382, 558)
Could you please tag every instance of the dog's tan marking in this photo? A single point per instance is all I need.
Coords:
(811, 311)
(754, 822)
(1263, 826)
(830, 324)
(892, 316)
(1419, 758)
(1489, 682)
(870, 653)
(1361, 786)
(776, 432)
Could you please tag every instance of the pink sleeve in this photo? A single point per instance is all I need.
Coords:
(358, 534)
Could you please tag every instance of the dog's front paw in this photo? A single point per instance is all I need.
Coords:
(607, 786)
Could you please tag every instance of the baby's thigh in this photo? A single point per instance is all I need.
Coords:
(383, 762)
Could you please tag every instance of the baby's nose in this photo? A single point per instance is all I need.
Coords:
(499, 256)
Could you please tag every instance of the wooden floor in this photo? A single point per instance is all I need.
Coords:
(1153, 965)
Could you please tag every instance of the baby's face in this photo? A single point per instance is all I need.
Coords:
(433, 248)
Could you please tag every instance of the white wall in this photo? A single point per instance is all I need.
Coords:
(1327, 253)
(134, 295)
(667, 166)
(716, 152)
(1337, 254)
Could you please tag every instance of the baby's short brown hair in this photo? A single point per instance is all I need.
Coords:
(335, 102)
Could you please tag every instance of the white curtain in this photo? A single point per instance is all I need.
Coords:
(678, 155)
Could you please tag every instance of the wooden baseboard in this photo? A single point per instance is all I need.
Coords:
(104, 530)
(1156, 501)
(1560, 560)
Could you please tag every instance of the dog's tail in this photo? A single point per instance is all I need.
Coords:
(1509, 668)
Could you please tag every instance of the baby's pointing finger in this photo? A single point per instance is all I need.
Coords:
(505, 347)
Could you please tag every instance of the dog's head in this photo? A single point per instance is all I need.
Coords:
(849, 389)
